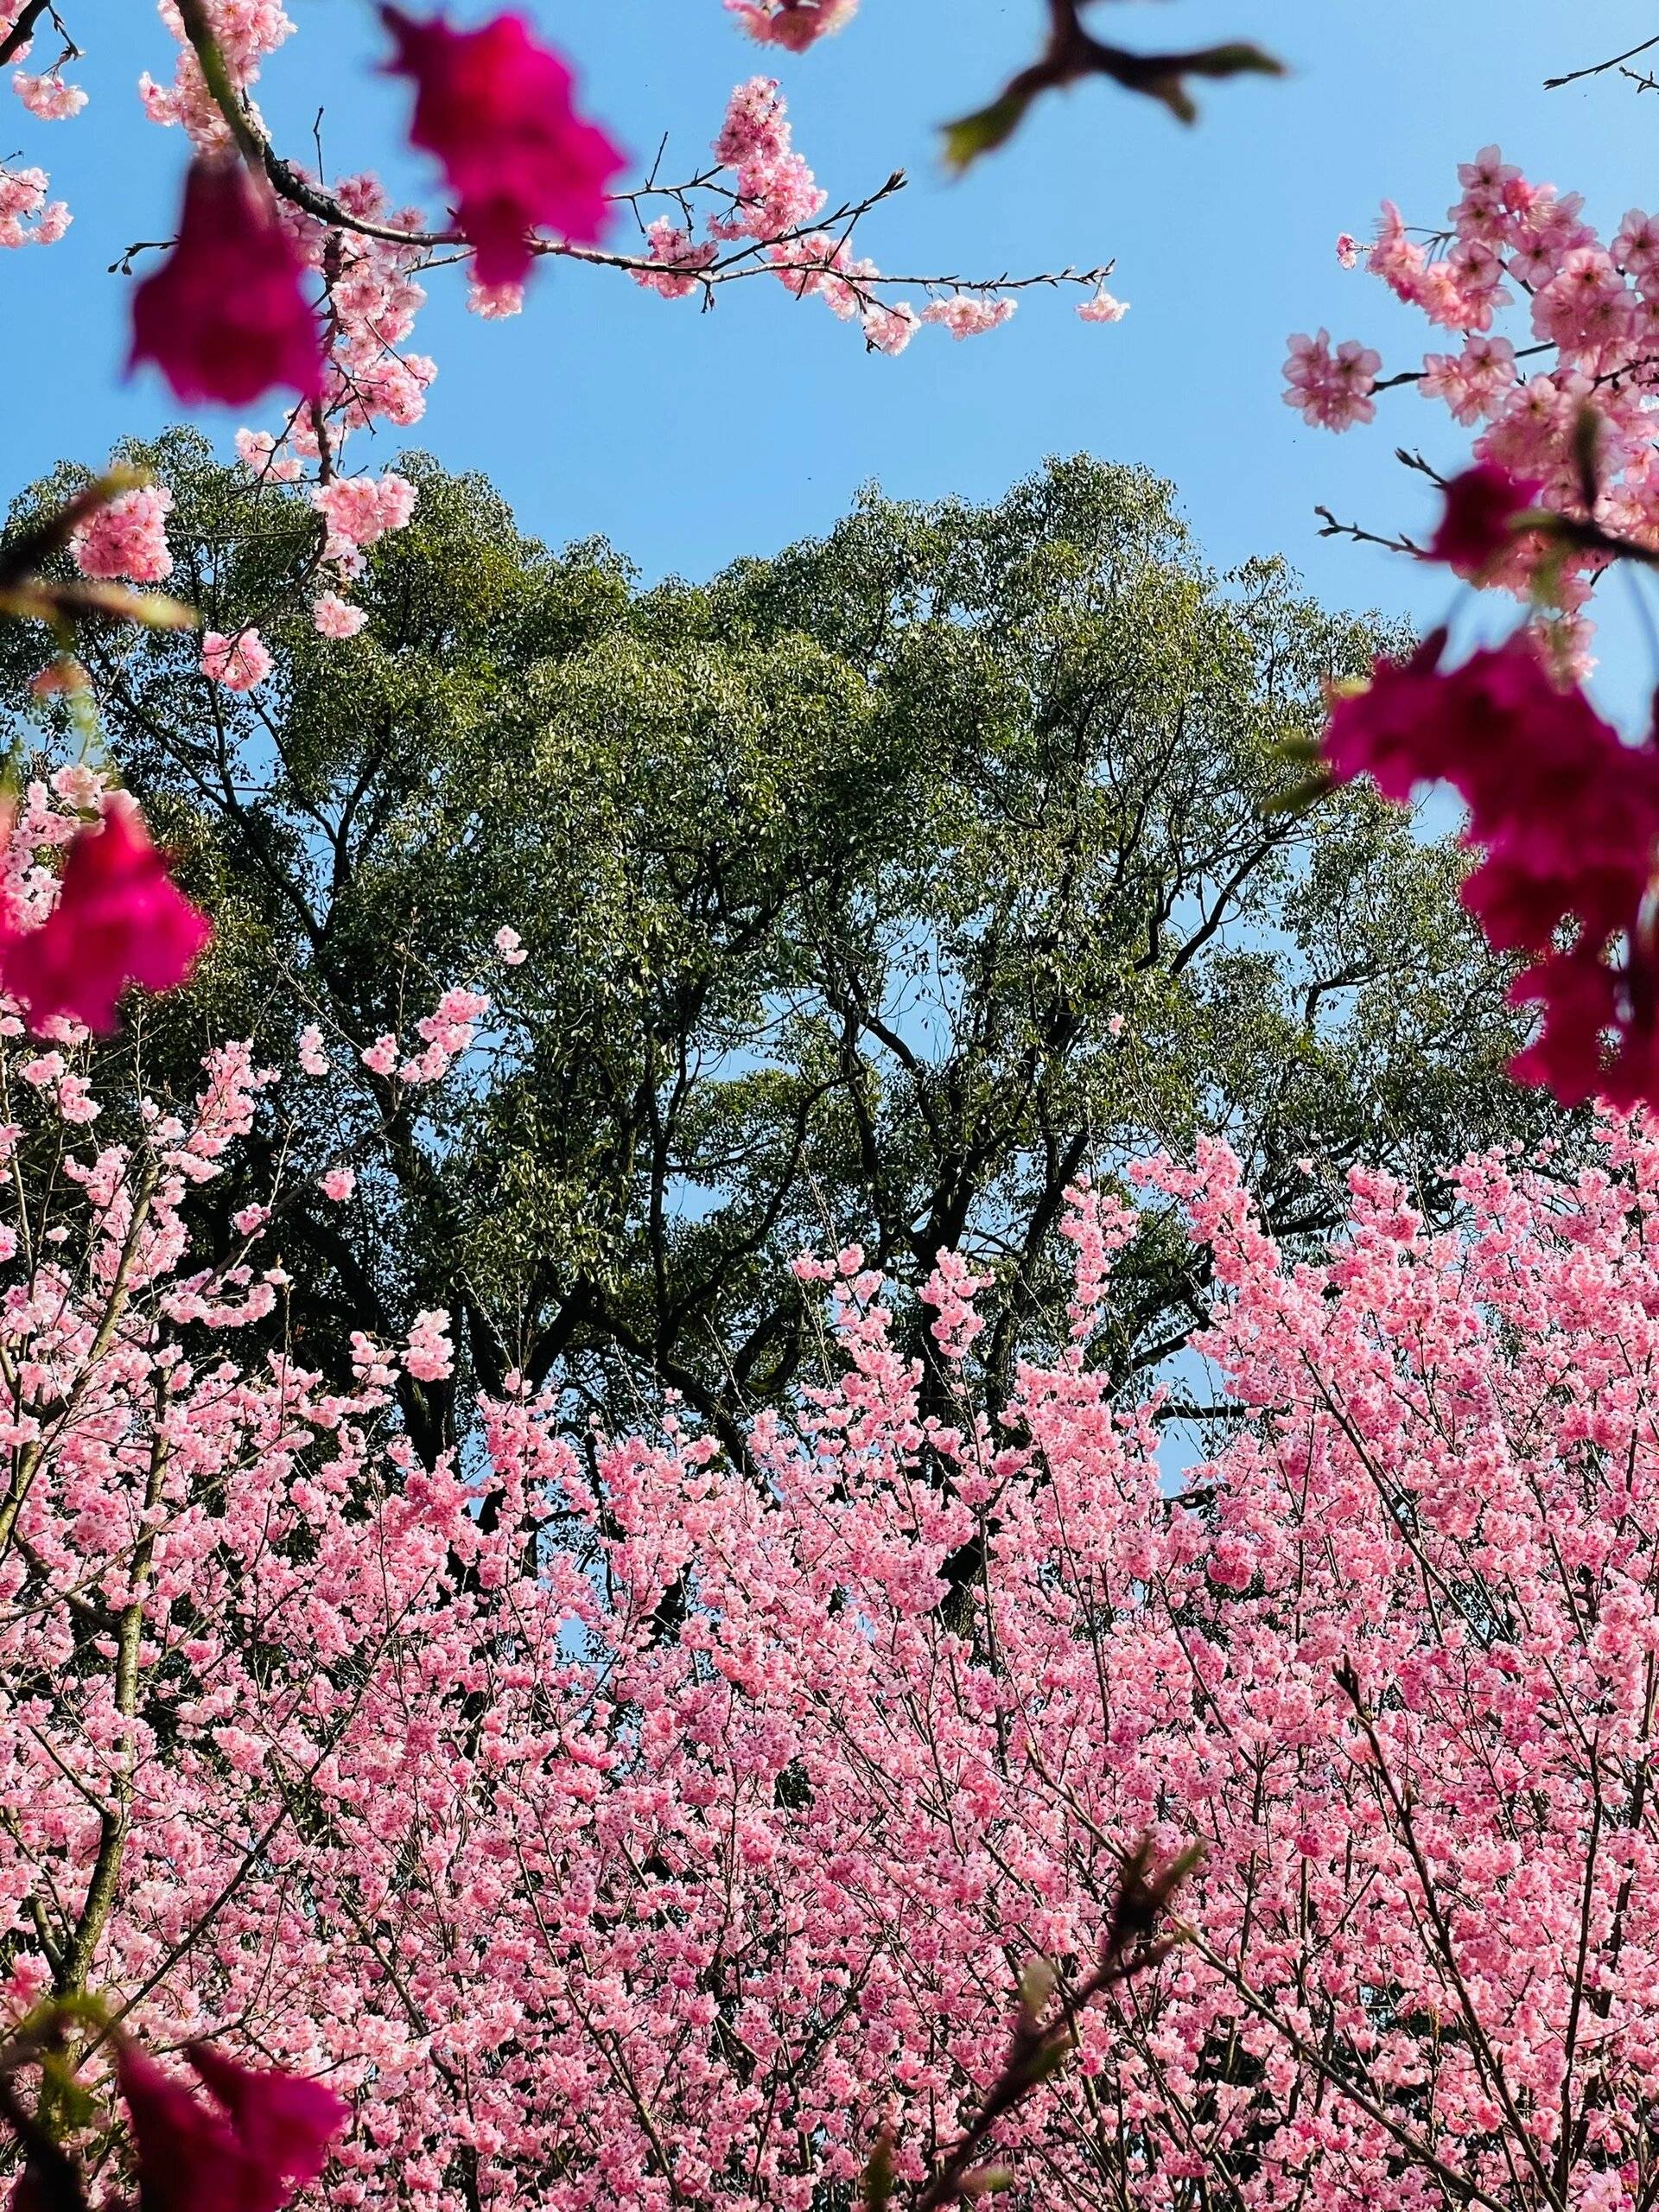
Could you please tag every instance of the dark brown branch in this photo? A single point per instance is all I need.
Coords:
(1330, 527)
(1039, 2047)
(1596, 68)
(23, 29)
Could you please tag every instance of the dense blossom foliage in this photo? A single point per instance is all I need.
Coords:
(606, 1823)
(1586, 320)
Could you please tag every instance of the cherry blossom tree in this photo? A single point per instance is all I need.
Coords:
(604, 1821)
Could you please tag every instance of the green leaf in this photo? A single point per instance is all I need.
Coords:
(1168, 82)
(970, 135)
(1237, 58)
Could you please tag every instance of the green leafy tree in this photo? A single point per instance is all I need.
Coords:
(869, 892)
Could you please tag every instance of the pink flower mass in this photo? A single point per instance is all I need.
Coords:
(792, 24)
(696, 1832)
(1332, 389)
(237, 663)
(128, 537)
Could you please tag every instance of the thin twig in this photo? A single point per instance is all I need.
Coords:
(1554, 83)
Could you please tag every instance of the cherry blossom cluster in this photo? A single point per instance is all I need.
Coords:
(27, 216)
(608, 1824)
(792, 24)
(128, 537)
(1583, 334)
(446, 1033)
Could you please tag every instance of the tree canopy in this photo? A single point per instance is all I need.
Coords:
(870, 892)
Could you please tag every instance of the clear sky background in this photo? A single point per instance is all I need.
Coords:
(687, 439)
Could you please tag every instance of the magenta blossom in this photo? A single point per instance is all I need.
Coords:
(1482, 506)
(119, 918)
(1566, 817)
(495, 107)
(269, 2140)
(224, 318)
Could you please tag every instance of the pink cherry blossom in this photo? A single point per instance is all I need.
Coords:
(949, 1290)
(1333, 391)
(430, 1356)
(1101, 307)
(678, 255)
(889, 329)
(363, 509)
(1396, 257)
(257, 450)
(49, 98)
(127, 536)
(27, 216)
(237, 662)
(335, 617)
(1472, 383)
(494, 302)
(966, 317)
(793, 24)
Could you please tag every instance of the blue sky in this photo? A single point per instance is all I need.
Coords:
(690, 438)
